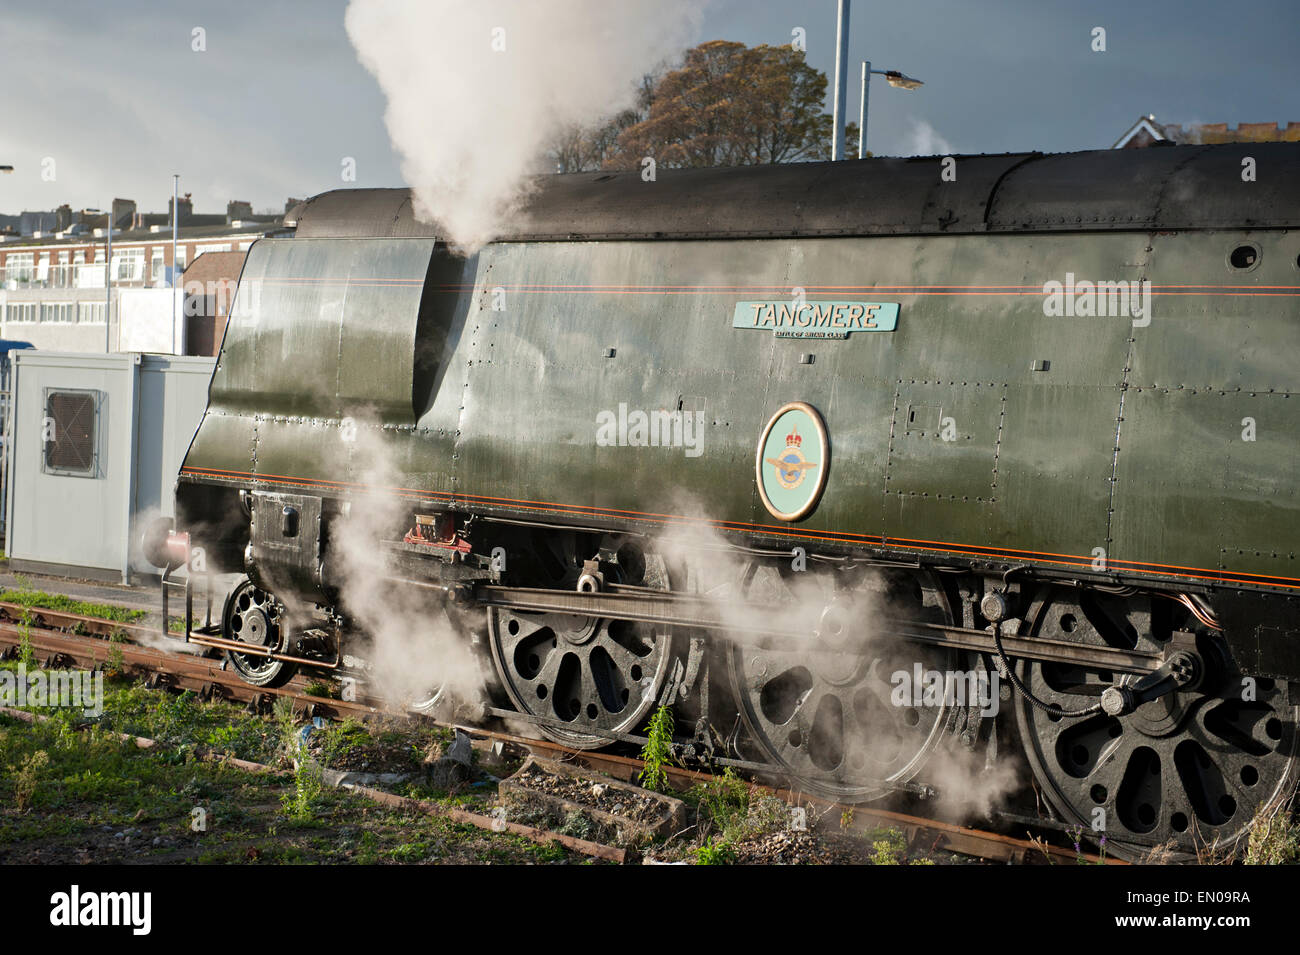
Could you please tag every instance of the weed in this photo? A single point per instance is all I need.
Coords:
(282, 716)
(1041, 845)
(408, 852)
(1274, 838)
(658, 750)
(546, 852)
(577, 825)
(1076, 836)
(301, 803)
(735, 810)
(338, 740)
(25, 655)
(723, 800)
(368, 849)
(224, 738)
(320, 688)
(711, 853)
(26, 778)
(176, 715)
(888, 846)
(116, 662)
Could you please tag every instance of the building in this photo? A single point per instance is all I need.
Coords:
(1147, 132)
(95, 443)
(52, 284)
(209, 289)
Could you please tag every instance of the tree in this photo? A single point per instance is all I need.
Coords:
(581, 148)
(726, 105)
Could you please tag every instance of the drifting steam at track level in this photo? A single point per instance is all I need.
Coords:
(475, 89)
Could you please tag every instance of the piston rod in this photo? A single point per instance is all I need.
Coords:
(767, 626)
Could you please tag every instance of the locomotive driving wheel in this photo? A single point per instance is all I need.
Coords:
(588, 678)
(253, 616)
(1185, 771)
(826, 711)
(433, 693)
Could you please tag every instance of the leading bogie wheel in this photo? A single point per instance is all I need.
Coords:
(254, 616)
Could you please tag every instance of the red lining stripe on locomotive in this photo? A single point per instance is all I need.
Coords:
(974, 550)
(949, 289)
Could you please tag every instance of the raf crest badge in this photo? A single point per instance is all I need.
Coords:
(792, 462)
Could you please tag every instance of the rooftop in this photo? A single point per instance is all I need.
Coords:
(1147, 132)
(156, 234)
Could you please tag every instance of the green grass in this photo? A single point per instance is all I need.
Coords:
(888, 846)
(339, 740)
(715, 854)
(68, 786)
(1274, 839)
(733, 809)
(61, 602)
(722, 802)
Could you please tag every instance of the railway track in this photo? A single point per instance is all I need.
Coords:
(64, 639)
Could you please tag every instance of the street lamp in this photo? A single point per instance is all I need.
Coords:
(6, 168)
(893, 78)
(176, 218)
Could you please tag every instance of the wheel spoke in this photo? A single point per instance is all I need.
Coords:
(828, 716)
(526, 627)
(1108, 770)
(623, 658)
(603, 677)
(549, 670)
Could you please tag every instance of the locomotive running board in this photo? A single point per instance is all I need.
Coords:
(689, 610)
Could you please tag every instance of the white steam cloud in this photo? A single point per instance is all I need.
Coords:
(924, 140)
(412, 646)
(477, 89)
(967, 787)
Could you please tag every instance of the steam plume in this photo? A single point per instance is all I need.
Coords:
(477, 89)
(412, 646)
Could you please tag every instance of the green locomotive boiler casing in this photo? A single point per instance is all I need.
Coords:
(994, 426)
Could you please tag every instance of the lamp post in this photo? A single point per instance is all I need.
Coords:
(893, 78)
(108, 278)
(176, 218)
(841, 79)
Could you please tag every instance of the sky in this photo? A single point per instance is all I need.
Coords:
(109, 99)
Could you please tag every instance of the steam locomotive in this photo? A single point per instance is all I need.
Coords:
(751, 443)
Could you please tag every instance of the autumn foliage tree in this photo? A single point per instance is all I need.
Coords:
(726, 105)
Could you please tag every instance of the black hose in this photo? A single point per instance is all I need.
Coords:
(1047, 708)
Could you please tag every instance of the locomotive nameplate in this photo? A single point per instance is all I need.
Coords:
(792, 462)
(795, 319)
